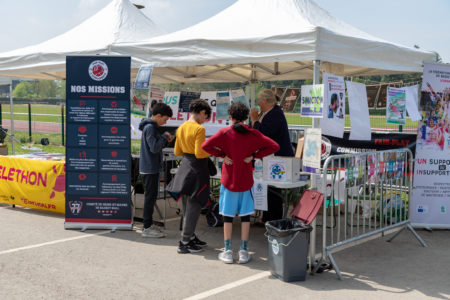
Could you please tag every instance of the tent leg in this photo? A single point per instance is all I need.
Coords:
(253, 95)
(11, 108)
(315, 124)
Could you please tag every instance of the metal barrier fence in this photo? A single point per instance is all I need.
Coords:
(367, 194)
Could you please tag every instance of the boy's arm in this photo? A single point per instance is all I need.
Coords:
(213, 145)
(265, 146)
(155, 143)
(199, 139)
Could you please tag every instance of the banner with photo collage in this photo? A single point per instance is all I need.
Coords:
(431, 195)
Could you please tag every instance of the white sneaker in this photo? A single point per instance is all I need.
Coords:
(244, 257)
(153, 232)
(226, 256)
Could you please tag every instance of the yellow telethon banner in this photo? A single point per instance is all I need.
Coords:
(33, 183)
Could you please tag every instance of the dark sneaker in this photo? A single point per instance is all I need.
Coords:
(198, 241)
(190, 247)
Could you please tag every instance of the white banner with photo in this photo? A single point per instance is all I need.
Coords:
(430, 201)
(333, 120)
(359, 112)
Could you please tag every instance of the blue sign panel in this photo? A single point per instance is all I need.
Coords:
(98, 147)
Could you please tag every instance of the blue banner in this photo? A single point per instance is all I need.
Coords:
(98, 147)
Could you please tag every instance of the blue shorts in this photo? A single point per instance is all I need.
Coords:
(231, 203)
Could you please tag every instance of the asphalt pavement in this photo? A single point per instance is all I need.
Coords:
(39, 259)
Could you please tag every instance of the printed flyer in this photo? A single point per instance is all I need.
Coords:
(312, 150)
(312, 101)
(396, 106)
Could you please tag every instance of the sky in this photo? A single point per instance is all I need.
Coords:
(406, 22)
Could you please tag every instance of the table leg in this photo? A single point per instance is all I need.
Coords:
(286, 203)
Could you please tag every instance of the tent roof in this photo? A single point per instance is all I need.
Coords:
(120, 21)
(271, 40)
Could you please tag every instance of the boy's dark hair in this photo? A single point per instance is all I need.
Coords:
(238, 111)
(153, 103)
(198, 105)
(162, 109)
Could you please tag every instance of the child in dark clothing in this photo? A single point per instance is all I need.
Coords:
(238, 144)
(150, 162)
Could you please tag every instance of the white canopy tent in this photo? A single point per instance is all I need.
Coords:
(258, 40)
(120, 21)
(262, 40)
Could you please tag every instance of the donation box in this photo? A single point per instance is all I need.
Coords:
(281, 168)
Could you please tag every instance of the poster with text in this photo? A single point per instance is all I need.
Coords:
(173, 100)
(212, 125)
(312, 150)
(312, 101)
(98, 150)
(260, 194)
(431, 195)
(396, 106)
(333, 120)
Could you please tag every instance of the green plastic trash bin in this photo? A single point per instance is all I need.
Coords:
(288, 248)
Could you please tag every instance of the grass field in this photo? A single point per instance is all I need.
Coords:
(54, 146)
(55, 139)
(35, 109)
(375, 122)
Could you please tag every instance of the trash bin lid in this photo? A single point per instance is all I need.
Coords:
(308, 206)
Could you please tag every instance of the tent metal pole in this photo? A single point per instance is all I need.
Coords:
(247, 91)
(253, 95)
(11, 108)
(315, 124)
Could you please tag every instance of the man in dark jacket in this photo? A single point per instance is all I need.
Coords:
(272, 123)
(150, 162)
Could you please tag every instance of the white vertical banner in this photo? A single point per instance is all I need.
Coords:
(412, 101)
(430, 200)
(333, 121)
(359, 111)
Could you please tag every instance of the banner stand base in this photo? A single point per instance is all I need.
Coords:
(85, 226)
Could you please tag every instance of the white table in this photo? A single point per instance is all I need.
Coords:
(285, 186)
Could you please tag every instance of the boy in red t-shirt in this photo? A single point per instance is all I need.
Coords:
(238, 144)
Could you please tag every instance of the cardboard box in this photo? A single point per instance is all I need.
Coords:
(281, 168)
(299, 151)
(3, 149)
